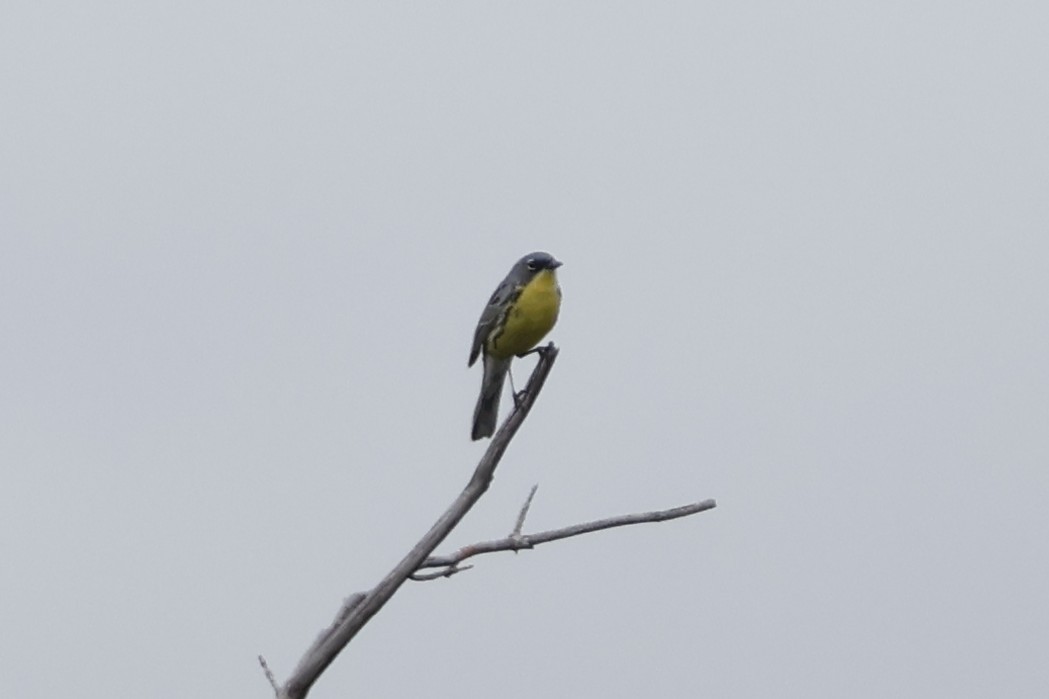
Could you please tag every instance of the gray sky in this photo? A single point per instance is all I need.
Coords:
(242, 250)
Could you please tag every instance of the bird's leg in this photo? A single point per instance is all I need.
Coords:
(541, 351)
(518, 397)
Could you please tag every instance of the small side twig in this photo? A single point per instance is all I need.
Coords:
(524, 512)
(446, 573)
(269, 675)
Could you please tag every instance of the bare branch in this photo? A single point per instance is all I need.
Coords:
(360, 607)
(352, 617)
(516, 542)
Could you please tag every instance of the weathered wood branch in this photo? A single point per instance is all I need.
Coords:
(517, 541)
(361, 607)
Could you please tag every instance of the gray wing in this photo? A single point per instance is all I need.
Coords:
(489, 317)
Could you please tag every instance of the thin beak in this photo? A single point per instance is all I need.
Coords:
(554, 264)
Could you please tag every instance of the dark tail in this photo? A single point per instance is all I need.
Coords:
(487, 411)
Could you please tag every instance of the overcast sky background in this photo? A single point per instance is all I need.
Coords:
(243, 246)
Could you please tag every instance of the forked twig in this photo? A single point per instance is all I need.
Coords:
(360, 607)
(516, 542)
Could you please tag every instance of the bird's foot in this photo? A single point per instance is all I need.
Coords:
(541, 350)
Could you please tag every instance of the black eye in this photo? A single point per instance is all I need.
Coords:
(532, 265)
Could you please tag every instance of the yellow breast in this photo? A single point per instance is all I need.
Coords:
(530, 318)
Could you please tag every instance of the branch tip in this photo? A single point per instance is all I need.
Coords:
(269, 675)
(524, 512)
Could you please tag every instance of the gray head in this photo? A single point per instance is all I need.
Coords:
(533, 263)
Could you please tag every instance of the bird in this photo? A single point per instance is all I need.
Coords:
(521, 311)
